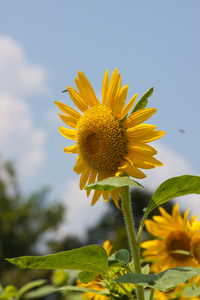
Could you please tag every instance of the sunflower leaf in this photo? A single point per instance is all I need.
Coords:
(174, 187)
(163, 281)
(91, 258)
(112, 183)
(142, 102)
(86, 277)
(105, 292)
(120, 258)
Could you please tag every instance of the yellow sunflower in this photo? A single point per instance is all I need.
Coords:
(108, 143)
(97, 283)
(172, 248)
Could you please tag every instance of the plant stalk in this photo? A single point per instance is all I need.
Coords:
(134, 245)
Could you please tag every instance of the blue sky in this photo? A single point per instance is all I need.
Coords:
(43, 44)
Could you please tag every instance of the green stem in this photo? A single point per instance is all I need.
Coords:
(141, 227)
(125, 290)
(134, 245)
(151, 294)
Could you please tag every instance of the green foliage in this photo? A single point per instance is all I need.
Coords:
(143, 101)
(120, 258)
(24, 220)
(112, 183)
(10, 292)
(89, 258)
(174, 187)
(163, 281)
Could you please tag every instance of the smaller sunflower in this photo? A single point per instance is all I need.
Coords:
(172, 248)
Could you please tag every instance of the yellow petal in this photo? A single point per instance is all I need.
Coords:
(105, 86)
(115, 196)
(68, 120)
(96, 196)
(84, 178)
(141, 148)
(134, 172)
(128, 106)
(68, 110)
(114, 90)
(92, 178)
(68, 133)
(77, 99)
(145, 134)
(139, 117)
(86, 90)
(79, 166)
(121, 99)
(71, 149)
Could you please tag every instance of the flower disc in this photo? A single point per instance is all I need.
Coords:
(100, 139)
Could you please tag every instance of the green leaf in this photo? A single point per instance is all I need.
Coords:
(86, 277)
(120, 258)
(163, 281)
(90, 258)
(29, 286)
(174, 187)
(105, 292)
(142, 102)
(192, 291)
(40, 292)
(112, 183)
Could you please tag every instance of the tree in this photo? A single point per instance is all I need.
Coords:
(24, 222)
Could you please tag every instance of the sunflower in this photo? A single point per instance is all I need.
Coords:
(172, 248)
(108, 143)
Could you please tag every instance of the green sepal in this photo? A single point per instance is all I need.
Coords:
(174, 187)
(163, 281)
(120, 258)
(89, 258)
(112, 183)
(143, 101)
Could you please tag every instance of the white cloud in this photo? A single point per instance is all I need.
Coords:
(173, 165)
(17, 75)
(19, 137)
(79, 214)
(20, 140)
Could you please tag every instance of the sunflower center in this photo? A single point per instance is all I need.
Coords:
(100, 140)
(195, 247)
(178, 241)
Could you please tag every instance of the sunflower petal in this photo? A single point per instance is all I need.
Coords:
(128, 107)
(84, 178)
(121, 99)
(68, 110)
(68, 133)
(139, 117)
(105, 86)
(77, 99)
(71, 149)
(92, 178)
(68, 120)
(86, 90)
(134, 172)
(79, 166)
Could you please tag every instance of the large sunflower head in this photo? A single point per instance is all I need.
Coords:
(172, 248)
(108, 143)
